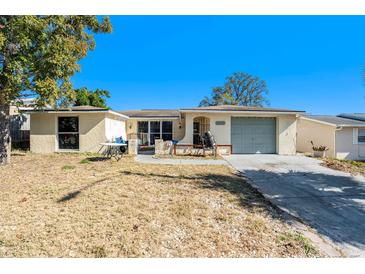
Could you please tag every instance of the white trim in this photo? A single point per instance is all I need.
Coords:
(355, 136)
(118, 114)
(331, 124)
(81, 112)
(318, 121)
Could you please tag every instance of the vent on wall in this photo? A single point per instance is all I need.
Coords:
(220, 123)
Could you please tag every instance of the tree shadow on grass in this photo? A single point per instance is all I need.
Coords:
(97, 159)
(72, 195)
(248, 197)
(333, 205)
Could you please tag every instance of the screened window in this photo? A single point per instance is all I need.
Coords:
(143, 132)
(361, 135)
(149, 131)
(155, 131)
(68, 133)
(167, 130)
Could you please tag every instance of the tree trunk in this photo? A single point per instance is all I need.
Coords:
(5, 134)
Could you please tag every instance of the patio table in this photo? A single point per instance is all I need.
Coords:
(113, 150)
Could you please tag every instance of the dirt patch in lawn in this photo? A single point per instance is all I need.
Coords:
(353, 167)
(61, 205)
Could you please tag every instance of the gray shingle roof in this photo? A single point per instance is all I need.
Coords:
(75, 108)
(239, 108)
(335, 120)
(152, 113)
(354, 116)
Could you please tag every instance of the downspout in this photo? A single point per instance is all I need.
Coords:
(338, 128)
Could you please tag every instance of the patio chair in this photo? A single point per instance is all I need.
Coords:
(209, 143)
(120, 140)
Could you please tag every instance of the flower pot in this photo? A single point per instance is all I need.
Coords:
(319, 154)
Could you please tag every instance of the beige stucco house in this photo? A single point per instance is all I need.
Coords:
(236, 129)
(76, 129)
(344, 137)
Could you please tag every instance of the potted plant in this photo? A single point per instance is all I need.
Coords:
(319, 151)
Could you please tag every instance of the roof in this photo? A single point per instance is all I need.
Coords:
(152, 113)
(353, 116)
(335, 120)
(78, 109)
(239, 108)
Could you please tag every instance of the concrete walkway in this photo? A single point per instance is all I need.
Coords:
(330, 201)
(149, 159)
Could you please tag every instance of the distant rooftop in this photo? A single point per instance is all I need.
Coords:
(335, 120)
(239, 108)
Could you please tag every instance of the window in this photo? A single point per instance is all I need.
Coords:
(149, 131)
(167, 130)
(155, 131)
(68, 133)
(143, 132)
(361, 135)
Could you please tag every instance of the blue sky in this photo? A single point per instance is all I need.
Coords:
(309, 63)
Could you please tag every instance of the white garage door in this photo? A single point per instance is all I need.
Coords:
(253, 135)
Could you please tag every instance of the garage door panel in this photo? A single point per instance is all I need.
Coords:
(253, 135)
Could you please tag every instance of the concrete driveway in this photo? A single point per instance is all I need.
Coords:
(332, 202)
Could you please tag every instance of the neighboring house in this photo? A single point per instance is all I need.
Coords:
(236, 129)
(79, 129)
(344, 137)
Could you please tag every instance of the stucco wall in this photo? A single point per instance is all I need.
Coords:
(221, 133)
(92, 131)
(345, 147)
(286, 130)
(42, 133)
(286, 135)
(320, 134)
(43, 129)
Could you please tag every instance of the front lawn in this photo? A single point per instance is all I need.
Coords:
(353, 167)
(69, 205)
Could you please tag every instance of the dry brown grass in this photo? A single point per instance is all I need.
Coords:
(182, 157)
(353, 167)
(125, 209)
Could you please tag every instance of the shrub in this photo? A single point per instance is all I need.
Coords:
(319, 148)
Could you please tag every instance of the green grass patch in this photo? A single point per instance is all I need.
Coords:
(85, 161)
(296, 238)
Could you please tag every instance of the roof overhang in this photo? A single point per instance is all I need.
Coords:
(78, 112)
(154, 117)
(243, 112)
(331, 124)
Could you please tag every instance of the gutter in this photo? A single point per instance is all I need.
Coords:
(78, 111)
(242, 112)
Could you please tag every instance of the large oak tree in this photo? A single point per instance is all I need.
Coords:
(38, 56)
(239, 89)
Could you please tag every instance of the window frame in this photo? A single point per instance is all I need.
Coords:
(160, 131)
(362, 135)
(58, 133)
